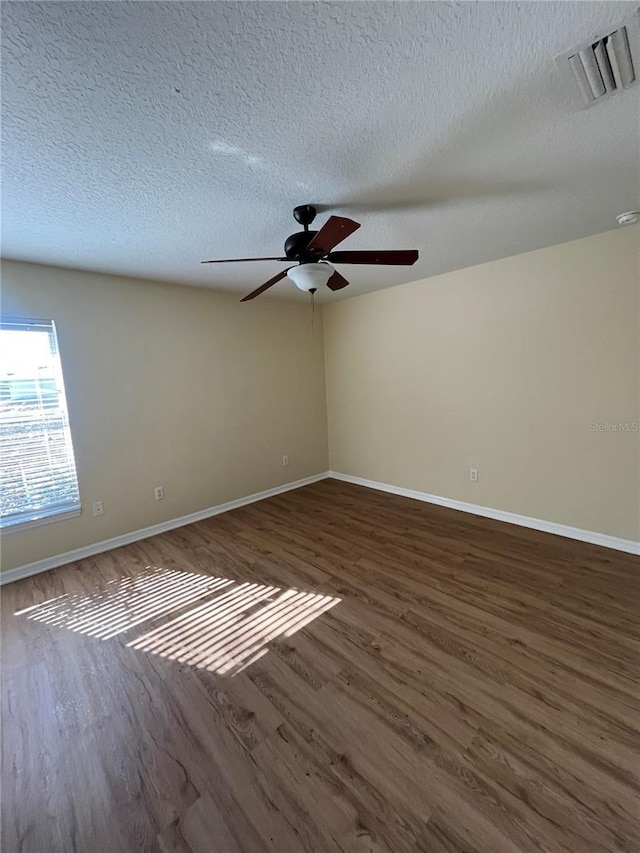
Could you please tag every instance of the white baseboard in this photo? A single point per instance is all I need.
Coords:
(627, 545)
(144, 533)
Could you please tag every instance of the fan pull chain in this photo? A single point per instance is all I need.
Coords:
(313, 308)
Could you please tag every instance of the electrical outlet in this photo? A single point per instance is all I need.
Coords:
(98, 508)
(158, 493)
(473, 475)
(285, 461)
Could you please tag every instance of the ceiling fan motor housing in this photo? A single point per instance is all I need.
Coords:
(296, 244)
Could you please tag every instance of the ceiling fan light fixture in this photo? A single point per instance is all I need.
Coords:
(309, 277)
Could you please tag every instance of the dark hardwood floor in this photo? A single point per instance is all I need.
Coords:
(334, 669)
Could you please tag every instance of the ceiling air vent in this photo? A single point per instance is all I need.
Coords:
(605, 66)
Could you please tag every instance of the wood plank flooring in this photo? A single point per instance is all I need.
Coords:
(334, 669)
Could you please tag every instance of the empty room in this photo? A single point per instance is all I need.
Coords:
(320, 427)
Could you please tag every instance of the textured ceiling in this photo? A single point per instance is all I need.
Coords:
(140, 138)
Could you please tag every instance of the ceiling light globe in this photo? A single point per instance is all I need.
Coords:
(309, 277)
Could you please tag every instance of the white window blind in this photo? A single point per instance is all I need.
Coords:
(37, 469)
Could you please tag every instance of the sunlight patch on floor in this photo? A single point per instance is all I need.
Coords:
(125, 602)
(230, 630)
(221, 636)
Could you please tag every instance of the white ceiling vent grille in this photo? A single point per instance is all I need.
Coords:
(605, 66)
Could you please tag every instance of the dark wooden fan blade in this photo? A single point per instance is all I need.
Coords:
(404, 257)
(337, 281)
(265, 286)
(334, 231)
(243, 260)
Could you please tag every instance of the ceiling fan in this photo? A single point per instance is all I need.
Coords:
(312, 249)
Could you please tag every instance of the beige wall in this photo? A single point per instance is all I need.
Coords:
(502, 367)
(173, 386)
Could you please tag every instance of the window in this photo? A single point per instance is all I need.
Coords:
(38, 479)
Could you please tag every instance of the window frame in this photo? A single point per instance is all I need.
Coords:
(59, 512)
